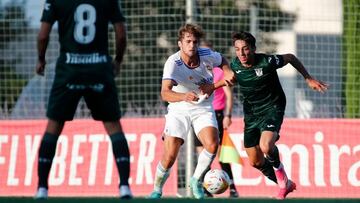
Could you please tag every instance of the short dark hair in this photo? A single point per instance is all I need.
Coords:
(192, 29)
(245, 36)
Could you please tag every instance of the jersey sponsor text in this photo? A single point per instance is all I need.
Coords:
(75, 58)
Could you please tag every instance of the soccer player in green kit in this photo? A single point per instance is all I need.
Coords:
(264, 104)
(83, 69)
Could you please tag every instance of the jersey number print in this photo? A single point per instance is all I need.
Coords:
(85, 17)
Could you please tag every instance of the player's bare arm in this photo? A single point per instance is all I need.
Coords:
(210, 88)
(168, 95)
(42, 43)
(312, 82)
(228, 108)
(120, 43)
(229, 76)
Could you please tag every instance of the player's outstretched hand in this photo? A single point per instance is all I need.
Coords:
(40, 67)
(317, 85)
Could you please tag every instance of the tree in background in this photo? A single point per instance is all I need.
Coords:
(151, 30)
(152, 36)
(221, 18)
(351, 58)
(12, 24)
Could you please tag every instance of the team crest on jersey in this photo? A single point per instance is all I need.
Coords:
(207, 66)
(259, 71)
(191, 77)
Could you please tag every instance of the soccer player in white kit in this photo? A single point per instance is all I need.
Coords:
(187, 86)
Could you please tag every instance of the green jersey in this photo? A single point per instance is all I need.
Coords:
(81, 25)
(260, 88)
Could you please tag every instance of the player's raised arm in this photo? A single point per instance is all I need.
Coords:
(312, 82)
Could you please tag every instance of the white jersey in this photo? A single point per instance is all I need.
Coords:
(188, 79)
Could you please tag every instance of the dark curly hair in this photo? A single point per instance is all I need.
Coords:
(245, 36)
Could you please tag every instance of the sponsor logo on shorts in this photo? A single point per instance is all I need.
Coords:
(98, 87)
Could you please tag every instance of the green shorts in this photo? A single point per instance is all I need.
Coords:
(255, 125)
(94, 83)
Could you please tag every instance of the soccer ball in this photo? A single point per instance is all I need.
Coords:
(216, 181)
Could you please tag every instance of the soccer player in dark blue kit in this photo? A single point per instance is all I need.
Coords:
(264, 105)
(84, 69)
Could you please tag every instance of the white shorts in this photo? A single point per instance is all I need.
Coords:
(179, 124)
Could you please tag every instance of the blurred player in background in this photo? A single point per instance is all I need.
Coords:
(84, 69)
(264, 105)
(187, 79)
(222, 104)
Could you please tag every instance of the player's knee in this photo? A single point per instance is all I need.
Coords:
(54, 127)
(112, 127)
(266, 148)
(255, 164)
(212, 147)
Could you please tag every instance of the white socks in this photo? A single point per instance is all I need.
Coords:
(204, 161)
(161, 176)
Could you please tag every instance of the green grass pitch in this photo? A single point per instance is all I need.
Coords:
(172, 200)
